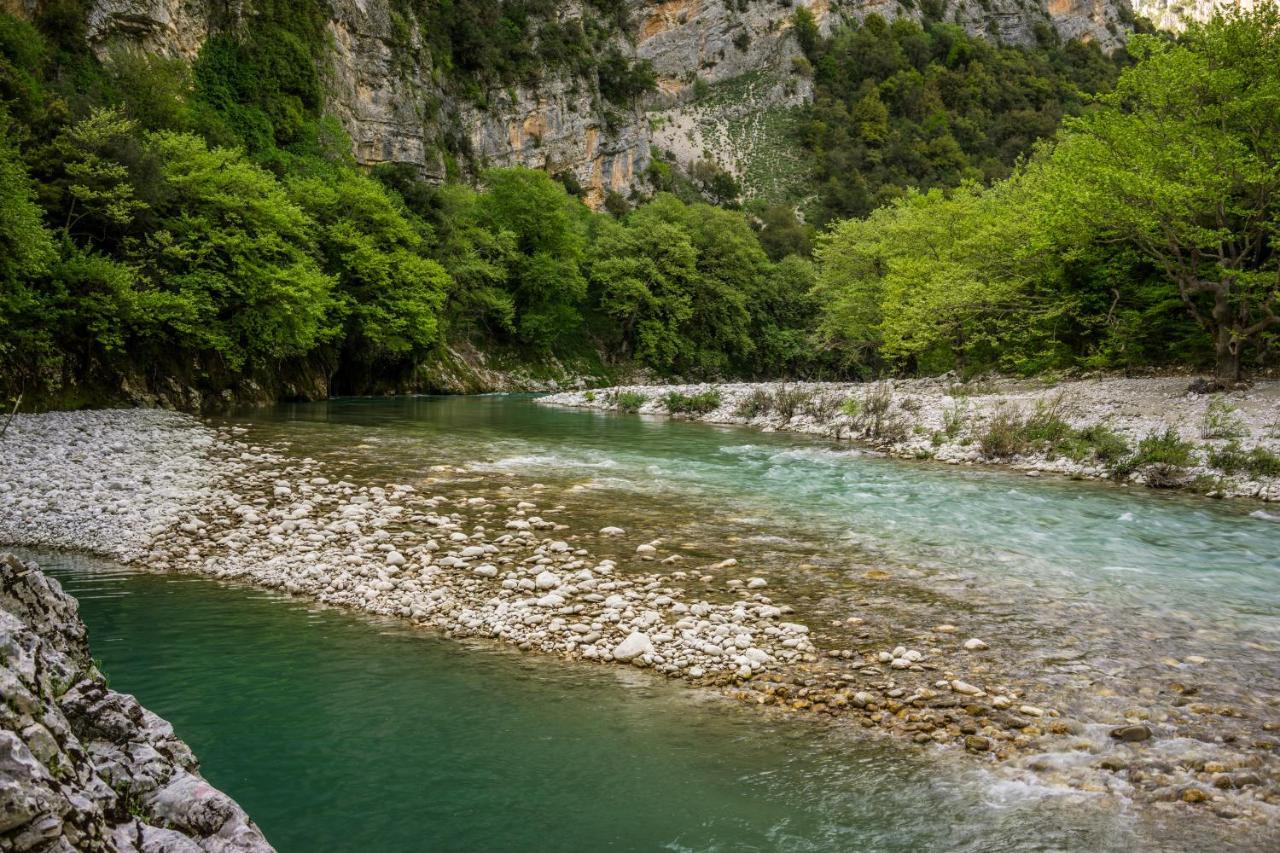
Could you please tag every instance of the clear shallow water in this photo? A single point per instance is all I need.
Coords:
(339, 732)
(1123, 547)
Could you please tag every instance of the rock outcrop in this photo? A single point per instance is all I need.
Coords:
(81, 766)
(392, 99)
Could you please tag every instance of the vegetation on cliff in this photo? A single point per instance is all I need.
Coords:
(158, 216)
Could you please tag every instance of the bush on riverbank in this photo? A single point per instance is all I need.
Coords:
(692, 404)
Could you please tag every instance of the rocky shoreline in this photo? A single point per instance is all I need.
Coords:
(1152, 431)
(487, 559)
(83, 767)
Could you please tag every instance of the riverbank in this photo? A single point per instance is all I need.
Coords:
(1143, 431)
(84, 767)
(499, 558)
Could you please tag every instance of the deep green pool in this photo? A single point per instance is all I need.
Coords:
(338, 732)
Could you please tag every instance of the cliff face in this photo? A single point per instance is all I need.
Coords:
(81, 766)
(1175, 14)
(383, 85)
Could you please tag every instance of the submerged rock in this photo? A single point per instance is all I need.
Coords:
(1131, 734)
(81, 766)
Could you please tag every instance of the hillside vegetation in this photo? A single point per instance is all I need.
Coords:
(207, 219)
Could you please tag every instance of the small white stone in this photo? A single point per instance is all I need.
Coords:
(756, 583)
(547, 580)
(395, 558)
(975, 645)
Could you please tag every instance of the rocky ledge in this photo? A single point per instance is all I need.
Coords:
(1154, 431)
(83, 767)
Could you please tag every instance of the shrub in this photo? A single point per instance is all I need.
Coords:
(1221, 420)
(1004, 436)
(1257, 462)
(787, 401)
(1166, 448)
(694, 404)
(851, 407)
(1046, 429)
(1102, 442)
(821, 407)
(954, 419)
(629, 401)
(758, 402)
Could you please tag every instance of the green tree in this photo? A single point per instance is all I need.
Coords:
(1183, 163)
(99, 192)
(643, 276)
(547, 228)
(936, 279)
(230, 268)
(26, 251)
(388, 293)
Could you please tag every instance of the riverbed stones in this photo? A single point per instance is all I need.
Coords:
(637, 643)
(975, 645)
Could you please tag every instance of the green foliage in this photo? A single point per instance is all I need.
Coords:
(231, 264)
(1004, 435)
(1257, 462)
(897, 106)
(628, 401)
(693, 404)
(758, 402)
(388, 292)
(787, 401)
(548, 228)
(1180, 165)
(883, 299)
(1164, 448)
(26, 251)
(622, 81)
(954, 419)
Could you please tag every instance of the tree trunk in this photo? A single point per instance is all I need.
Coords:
(1226, 367)
(1226, 347)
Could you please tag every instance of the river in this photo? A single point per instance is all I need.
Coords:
(338, 731)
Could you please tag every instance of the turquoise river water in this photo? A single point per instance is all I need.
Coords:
(342, 732)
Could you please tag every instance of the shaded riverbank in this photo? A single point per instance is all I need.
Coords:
(82, 766)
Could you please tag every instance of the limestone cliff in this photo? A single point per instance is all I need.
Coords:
(388, 92)
(1174, 14)
(81, 766)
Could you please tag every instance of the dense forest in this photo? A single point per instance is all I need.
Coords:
(160, 216)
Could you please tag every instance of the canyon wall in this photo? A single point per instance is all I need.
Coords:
(727, 80)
